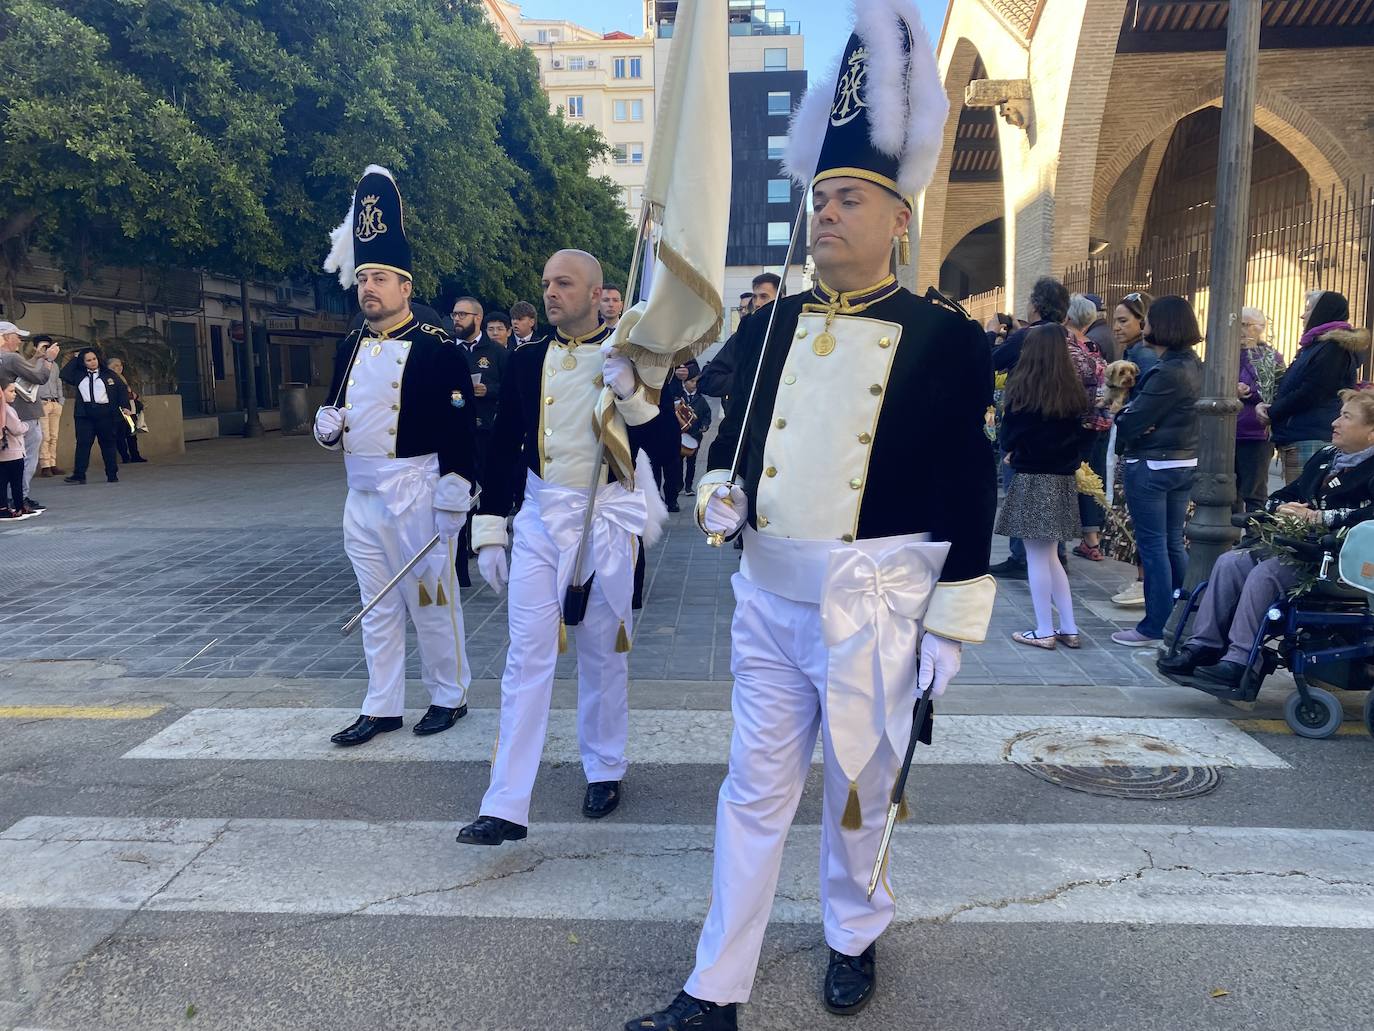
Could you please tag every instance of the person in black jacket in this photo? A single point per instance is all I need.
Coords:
(1157, 436)
(1042, 437)
(718, 377)
(1335, 491)
(100, 395)
(1307, 398)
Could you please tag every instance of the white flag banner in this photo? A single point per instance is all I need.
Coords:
(688, 192)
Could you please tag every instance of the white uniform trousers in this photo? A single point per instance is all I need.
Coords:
(535, 608)
(374, 548)
(779, 664)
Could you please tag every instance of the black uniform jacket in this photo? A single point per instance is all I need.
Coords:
(428, 423)
(1349, 494)
(514, 447)
(488, 358)
(930, 464)
(75, 371)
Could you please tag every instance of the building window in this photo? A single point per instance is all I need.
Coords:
(575, 109)
(628, 111)
(780, 103)
(779, 191)
(620, 154)
(618, 68)
(779, 234)
(577, 64)
(775, 59)
(776, 146)
(636, 153)
(636, 68)
(543, 35)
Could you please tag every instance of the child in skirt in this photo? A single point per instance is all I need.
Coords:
(11, 457)
(1042, 437)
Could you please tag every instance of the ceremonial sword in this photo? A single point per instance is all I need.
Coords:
(899, 788)
(352, 624)
(716, 540)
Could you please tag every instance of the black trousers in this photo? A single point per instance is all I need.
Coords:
(1252, 475)
(12, 484)
(689, 473)
(127, 440)
(99, 426)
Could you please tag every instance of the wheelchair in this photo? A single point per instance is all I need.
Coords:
(1325, 634)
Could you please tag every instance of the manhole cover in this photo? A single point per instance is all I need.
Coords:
(1116, 765)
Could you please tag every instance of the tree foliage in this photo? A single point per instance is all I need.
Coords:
(228, 134)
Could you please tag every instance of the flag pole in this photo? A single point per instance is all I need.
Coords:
(716, 540)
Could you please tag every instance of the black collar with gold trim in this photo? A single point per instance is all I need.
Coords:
(850, 302)
(393, 331)
(596, 336)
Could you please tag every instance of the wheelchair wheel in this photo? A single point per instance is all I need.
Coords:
(1318, 718)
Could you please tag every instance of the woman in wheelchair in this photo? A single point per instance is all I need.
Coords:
(1335, 491)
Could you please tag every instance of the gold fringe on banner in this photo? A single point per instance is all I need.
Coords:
(853, 817)
(622, 639)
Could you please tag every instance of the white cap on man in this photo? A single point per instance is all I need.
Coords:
(6, 328)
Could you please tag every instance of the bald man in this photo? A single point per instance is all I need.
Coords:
(544, 443)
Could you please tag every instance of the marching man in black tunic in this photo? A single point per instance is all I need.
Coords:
(559, 397)
(401, 411)
(865, 495)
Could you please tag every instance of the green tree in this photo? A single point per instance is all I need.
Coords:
(229, 135)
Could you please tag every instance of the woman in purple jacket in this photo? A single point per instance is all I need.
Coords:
(1260, 369)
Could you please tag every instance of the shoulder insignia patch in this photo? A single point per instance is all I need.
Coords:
(935, 297)
(435, 330)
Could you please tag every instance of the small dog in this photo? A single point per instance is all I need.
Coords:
(1121, 377)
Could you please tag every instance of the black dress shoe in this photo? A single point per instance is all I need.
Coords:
(438, 718)
(1225, 673)
(365, 728)
(112, 479)
(686, 1013)
(490, 830)
(1188, 659)
(849, 981)
(75, 479)
(1009, 570)
(601, 799)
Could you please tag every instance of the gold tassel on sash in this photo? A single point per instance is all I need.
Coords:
(440, 598)
(853, 818)
(562, 637)
(903, 813)
(622, 640)
(425, 599)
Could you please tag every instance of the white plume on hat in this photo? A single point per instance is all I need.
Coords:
(340, 258)
(907, 105)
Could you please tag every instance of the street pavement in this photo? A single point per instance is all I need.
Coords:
(180, 847)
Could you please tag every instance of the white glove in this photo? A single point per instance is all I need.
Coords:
(328, 424)
(491, 563)
(726, 510)
(940, 658)
(619, 374)
(448, 525)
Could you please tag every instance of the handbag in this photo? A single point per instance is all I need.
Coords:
(140, 423)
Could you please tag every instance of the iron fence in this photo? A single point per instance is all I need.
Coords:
(1299, 243)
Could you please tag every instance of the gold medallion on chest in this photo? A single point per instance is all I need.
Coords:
(569, 362)
(823, 344)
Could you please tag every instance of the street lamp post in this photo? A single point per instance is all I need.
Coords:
(252, 425)
(1210, 533)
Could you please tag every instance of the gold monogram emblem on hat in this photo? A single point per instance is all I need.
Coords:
(370, 224)
(850, 94)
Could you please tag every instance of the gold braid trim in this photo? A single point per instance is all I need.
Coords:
(696, 282)
(610, 429)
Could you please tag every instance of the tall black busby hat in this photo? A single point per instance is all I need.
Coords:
(373, 234)
(880, 114)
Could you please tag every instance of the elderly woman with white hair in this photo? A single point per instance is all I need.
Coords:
(1260, 369)
(1090, 364)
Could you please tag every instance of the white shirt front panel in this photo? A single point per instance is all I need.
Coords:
(94, 382)
(567, 410)
(821, 435)
(373, 407)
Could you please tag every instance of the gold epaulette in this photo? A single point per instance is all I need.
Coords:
(434, 330)
(940, 300)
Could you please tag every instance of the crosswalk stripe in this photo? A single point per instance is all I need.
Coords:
(680, 737)
(79, 712)
(1053, 873)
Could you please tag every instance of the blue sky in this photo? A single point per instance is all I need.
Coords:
(824, 23)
